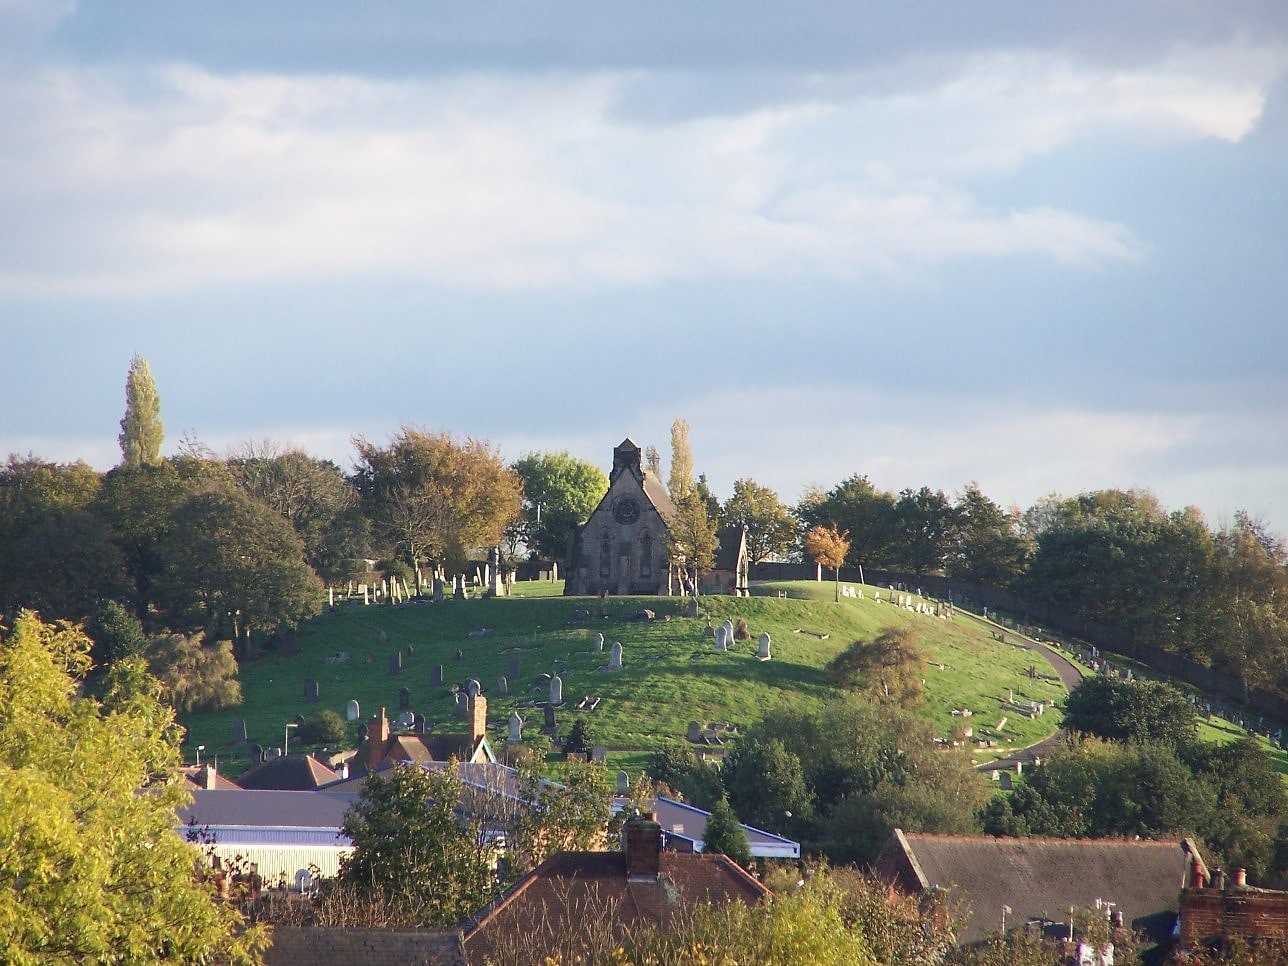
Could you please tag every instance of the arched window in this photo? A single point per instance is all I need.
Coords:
(605, 558)
(646, 554)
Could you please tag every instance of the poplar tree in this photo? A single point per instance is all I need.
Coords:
(680, 482)
(141, 429)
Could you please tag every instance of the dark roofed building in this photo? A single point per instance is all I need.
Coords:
(642, 886)
(1039, 879)
(288, 773)
(729, 572)
(383, 747)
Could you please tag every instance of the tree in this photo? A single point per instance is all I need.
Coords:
(432, 499)
(770, 526)
(141, 429)
(116, 634)
(925, 528)
(580, 740)
(685, 775)
(680, 482)
(988, 547)
(766, 784)
(691, 538)
(724, 835)
(231, 565)
(828, 548)
(312, 495)
(195, 676)
(858, 509)
(411, 852)
(324, 728)
(888, 669)
(95, 871)
(560, 492)
(1123, 710)
(568, 815)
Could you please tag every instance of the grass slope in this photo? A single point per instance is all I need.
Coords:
(671, 673)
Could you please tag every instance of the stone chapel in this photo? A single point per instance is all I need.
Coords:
(621, 548)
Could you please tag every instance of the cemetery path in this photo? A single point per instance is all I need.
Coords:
(1069, 673)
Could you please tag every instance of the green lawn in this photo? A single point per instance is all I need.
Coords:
(671, 673)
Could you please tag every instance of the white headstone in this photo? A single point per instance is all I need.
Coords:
(615, 657)
(763, 653)
(516, 727)
(352, 713)
(556, 690)
(599, 642)
(722, 642)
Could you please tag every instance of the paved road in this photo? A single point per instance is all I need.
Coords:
(1070, 674)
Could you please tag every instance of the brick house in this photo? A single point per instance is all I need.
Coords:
(1216, 908)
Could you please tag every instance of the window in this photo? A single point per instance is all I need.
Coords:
(646, 554)
(605, 558)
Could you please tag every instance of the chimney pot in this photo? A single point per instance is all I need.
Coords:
(1239, 878)
(1197, 879)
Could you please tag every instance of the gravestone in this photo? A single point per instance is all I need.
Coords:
(691, 608)
(556, 690)
(462, 704)
(615, 657)
(460, 655)
(550, 717)
(395, 663)
(239, 732)
(722, 642)
(516, 728)
(436, 675)
(458, 588)
(473, 688)
(311, 691)
(695, 732)
(406, 720)
(362, 733)
(418, 723)
(710, 631)
(352, 712)
(623, 783)
(516, 666)
(503, 686)
(599, 754)
(1004, 780)
(404, 698)
(257, 753)
(438, 589)
(763, 653)
(300, 721)
(599, 642)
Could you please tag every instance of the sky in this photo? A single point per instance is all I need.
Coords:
(1038, 246)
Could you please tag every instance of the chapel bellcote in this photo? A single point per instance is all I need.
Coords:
(626, 457)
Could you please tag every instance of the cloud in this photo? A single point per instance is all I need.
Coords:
(178, 178)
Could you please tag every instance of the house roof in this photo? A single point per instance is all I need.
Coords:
(1041, 878)
(288, 773)
(570, 887)
(267, 809)
(680, 820)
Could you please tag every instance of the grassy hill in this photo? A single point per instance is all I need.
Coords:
(671, 673)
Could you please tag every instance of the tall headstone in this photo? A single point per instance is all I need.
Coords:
(311, 691)
(395, 663)
(722, 642)
(615, 657)
(239, 732)
(516, 728)
(438, 589)
(556, 690)
(691, 608)
(550, 717)
(436, 676)
(473, 688)
(695, 732)
(503, 686)
(352, 712)
(404, 699)
(623, 783)
(599, 642)
(458, 587)
(462, 704)
(763, 653)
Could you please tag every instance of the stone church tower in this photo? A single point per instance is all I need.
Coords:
(621, 549)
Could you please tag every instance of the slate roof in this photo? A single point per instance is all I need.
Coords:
(266, 809)
(288, 773)
(679, 820)
(1041, 878)
(730, 548)
(570, 886)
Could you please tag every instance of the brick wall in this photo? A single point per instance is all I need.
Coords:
(1211, 915)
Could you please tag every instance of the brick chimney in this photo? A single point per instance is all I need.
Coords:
(642, 843)
(1239, 878)
(377, 738)
(477, 713)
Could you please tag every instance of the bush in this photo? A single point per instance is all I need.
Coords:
(324, 728)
